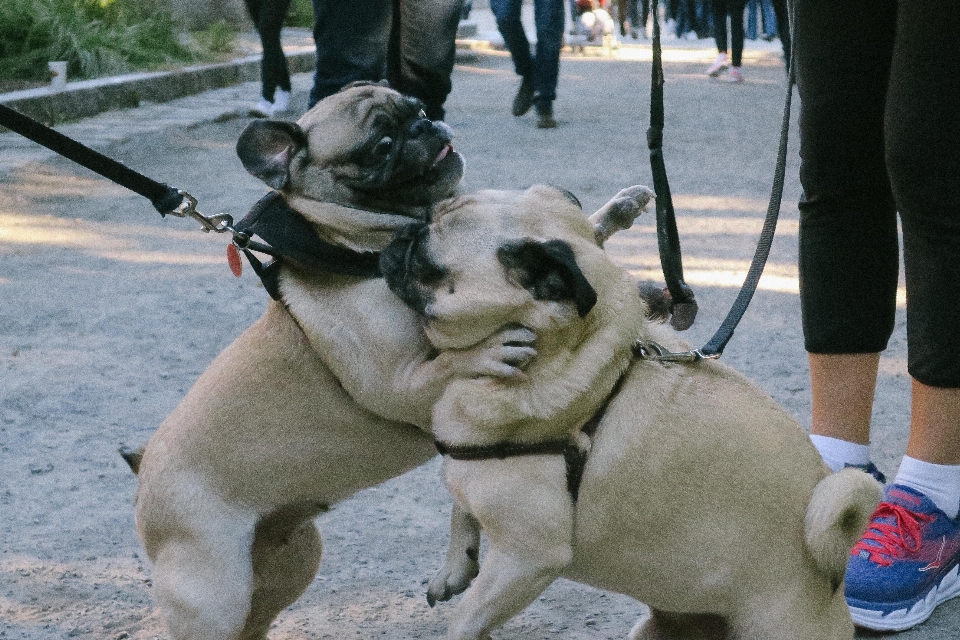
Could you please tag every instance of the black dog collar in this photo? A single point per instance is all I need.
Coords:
(290, 238)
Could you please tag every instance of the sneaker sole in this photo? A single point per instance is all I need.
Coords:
(715, 73)
(903, 619)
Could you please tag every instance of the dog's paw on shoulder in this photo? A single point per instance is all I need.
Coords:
(658, 301)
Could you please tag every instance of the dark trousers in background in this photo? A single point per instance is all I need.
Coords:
(410, 43)
(734, 9)
(268, 17)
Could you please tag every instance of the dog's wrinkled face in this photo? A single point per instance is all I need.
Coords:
(367, 145)
(491, 260)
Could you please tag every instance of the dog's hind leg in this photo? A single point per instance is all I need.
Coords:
(504, 587)
(527, 515)
(203, 578)
(283, 567)
(461, 564)
(663, 625)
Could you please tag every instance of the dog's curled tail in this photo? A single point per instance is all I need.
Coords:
(837, 516)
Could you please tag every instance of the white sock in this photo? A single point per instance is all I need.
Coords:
(840, 453)
(939, 482)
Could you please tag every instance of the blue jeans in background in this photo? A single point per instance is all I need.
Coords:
(544, 66)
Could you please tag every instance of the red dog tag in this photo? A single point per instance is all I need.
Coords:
(233, 259)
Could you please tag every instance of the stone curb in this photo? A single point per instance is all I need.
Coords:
(91, 97)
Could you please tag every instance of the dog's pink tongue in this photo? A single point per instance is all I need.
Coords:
(443, 153)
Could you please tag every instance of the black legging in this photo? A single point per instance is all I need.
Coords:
(879, 85)
(734, 9)
(268, 17)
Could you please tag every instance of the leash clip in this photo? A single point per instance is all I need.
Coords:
(187, 208)
(650, 350)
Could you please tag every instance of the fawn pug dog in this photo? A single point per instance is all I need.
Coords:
(329, 392)
(699, 496)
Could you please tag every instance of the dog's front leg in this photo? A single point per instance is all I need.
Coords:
(502, 355)
(620, 212)
(462, 562)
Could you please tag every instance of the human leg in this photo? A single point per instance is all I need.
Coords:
(783, 29)
(351, 39)
(907, 562)
(753, 10)
(923, 161)
(719, 12)
(842, 387)
(549, 18)
(848, 234)
(720, 24)
(423, 51)
(735, 9)
(507, 14)
(274, 69)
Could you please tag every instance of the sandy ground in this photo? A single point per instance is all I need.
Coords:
(108, 313)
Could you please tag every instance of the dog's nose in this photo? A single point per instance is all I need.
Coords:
(420, 126)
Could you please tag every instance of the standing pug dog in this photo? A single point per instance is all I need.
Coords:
(700, 496)
(580, 328)
(328, 393)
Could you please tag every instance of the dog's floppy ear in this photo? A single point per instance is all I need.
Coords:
(266, 148)
(548, 270)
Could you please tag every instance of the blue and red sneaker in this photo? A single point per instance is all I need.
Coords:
(905, 564)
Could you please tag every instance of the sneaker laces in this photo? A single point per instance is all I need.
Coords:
(885, 541)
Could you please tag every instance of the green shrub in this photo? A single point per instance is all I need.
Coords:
(300, 14)
(95, 37)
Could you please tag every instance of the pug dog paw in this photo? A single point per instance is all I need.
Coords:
(620, 212)
(504, 354)
(452, 580)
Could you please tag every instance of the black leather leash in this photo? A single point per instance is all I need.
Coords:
(288, 235)
(684, 306)
(165, 199)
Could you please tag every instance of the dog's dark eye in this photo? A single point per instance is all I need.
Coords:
(383, 147)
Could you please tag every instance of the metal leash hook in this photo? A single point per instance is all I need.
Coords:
(650, 350)
(221, 223)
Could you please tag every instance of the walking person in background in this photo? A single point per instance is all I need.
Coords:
(632, 16)
(412, 45)
(761, 20)
(734, 10)
(880, 134)
(268, 17)
(538, 72)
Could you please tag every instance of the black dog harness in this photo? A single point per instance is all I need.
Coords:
(573, 454)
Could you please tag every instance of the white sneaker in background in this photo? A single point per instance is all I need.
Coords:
(281, 100)
(735, 75)
(721, 63)
(263, 108)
